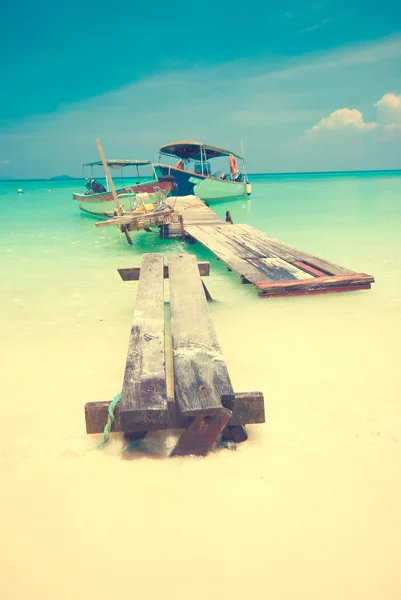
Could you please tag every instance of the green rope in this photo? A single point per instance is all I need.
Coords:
(110, 420)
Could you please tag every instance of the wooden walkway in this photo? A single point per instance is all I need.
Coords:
(204, 403)
(274, 267)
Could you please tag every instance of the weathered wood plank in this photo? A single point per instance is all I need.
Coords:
(308, 269)
(314, 283)
(278, 269)
(246, 246)
(194, 211)
(289, 253)
(144, 394)
(208, 238)
(248, 409)
(200, 373)
(132, 273)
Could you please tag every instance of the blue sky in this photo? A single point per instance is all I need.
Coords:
(307, 85)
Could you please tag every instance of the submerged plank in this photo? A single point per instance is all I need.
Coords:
(200, 373)
(144, 390)
(132, 273)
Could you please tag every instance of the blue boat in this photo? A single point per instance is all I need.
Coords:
(194, 175)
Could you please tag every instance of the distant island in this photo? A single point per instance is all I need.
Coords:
(7, 179)
(62, 177)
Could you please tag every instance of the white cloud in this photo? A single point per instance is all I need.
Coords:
(342, 119)
(387, 49)
(313, 27)
(390, 101)
(393, 127)
(4, 162)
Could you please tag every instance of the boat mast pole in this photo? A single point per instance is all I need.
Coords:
(108, 177)
(243, 159)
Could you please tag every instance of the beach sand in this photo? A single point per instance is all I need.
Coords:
(308, 508)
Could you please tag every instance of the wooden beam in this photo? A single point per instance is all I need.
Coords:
(132, 273)
(200, 373)
(248, 409)
(144, 395)
(317, 291)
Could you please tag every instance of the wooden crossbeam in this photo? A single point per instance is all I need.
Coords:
(132, 273)
(248, 409)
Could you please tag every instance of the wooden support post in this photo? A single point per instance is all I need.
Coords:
(127, 235)
(207, 294)
(236, 433)
(181, 220)
(201, 434)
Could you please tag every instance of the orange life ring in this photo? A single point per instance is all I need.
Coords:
(233, 167)
(179, 164)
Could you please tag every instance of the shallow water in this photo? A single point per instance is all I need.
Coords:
(307, 508)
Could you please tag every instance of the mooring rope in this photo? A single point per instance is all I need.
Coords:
(110, 420)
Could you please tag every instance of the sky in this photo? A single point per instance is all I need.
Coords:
(307, 86)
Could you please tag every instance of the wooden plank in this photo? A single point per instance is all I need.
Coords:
(207, 237)
(313, 292)
(278, 269)
(309, 269)
(289, 253)
(313, 283)
(248, 409)
(247, 246)
(200, 373)
(132, 273)
(144, 394)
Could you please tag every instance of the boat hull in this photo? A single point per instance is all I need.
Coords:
(205, 188)
(103, 204)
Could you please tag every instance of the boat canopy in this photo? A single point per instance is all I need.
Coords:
(118, 164)
(195, 151)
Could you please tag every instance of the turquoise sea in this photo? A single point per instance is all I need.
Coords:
(323, 468)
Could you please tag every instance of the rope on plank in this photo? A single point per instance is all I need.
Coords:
(110, 420)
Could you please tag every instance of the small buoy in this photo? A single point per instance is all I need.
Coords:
(20, 191)
(49, 190)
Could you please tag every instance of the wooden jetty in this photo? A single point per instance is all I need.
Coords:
(204, 404)
(274, 267)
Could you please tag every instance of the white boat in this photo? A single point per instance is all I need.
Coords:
(194, 176)
(98, 199)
